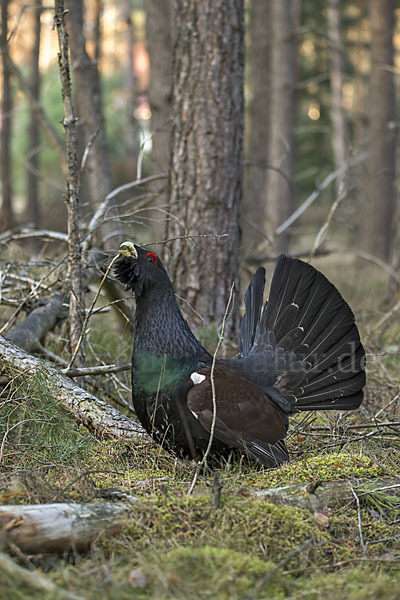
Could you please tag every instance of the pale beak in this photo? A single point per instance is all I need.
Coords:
(128, 249)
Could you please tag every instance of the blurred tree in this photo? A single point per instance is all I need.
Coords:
(285, 16)
(159, 27)
(379, 205)
(90, 115)
(254, 226)
(132, 133)
(206, 146)
(33, 206)
(340, 140)
(7, 218)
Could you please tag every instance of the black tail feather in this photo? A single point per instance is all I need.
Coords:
(253, 302)
(318, 356)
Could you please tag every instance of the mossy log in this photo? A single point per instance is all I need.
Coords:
(315, 496)
(100, 418)
(60, 527)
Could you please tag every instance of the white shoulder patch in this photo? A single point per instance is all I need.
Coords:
(194, 414)
(197, 377)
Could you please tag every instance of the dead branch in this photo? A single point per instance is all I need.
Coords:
(100, 418)
(316, 193)
(61, 527)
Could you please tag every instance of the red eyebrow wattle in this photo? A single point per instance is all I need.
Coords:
(152, 255)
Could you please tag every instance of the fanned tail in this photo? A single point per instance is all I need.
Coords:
(308, 336)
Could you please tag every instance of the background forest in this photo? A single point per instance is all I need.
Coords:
(219, 133)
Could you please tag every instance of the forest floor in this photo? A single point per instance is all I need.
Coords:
(220, 541)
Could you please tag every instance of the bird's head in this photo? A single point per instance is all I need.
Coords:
(139, 270)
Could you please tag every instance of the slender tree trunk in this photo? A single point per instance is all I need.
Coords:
(206, 162)
(380, 198)
(338, 117)
(159, 35)
(72, 192)
(97, 33)
(254, 212)
(89, 109)
(7, 218)
(159, 26)
(132, 133)
(280, 181)
(33, 207)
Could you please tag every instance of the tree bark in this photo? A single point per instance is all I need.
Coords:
(338, 117)
(280, 174)
(379, 206)
(100, 418)
(7, 217)
(61, 527)
(206, 161)
(33, 207)
(254, 222)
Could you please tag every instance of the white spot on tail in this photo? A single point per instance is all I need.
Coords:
(197, 378)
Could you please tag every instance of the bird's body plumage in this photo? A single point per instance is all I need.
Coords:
(300, 351)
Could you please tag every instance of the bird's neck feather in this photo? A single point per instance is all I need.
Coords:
(160, 327)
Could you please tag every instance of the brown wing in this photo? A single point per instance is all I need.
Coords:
(245, 417)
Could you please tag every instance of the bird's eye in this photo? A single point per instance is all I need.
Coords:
(153, 258)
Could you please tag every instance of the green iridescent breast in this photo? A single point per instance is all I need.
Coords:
(153, 374)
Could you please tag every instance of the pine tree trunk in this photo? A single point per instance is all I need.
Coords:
(7, 218)
(254, 212)
(380, 198)
(206, 162)
(33, 207)
(280, 180)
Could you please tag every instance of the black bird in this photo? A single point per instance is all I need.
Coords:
(301, 351)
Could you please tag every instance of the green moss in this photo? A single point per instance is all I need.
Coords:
(360, 583)
(242, 524)
(322, 468)
(208, 572)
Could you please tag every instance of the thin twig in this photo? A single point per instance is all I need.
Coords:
(214, 401)
(98, 216)
(342, 193)
(89, 312)
(324, 185)
(96, 370)
(358, 516)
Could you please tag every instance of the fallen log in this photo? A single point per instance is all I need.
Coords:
(45, 528)
(29, 333)
(103, 420)
(315, 496)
